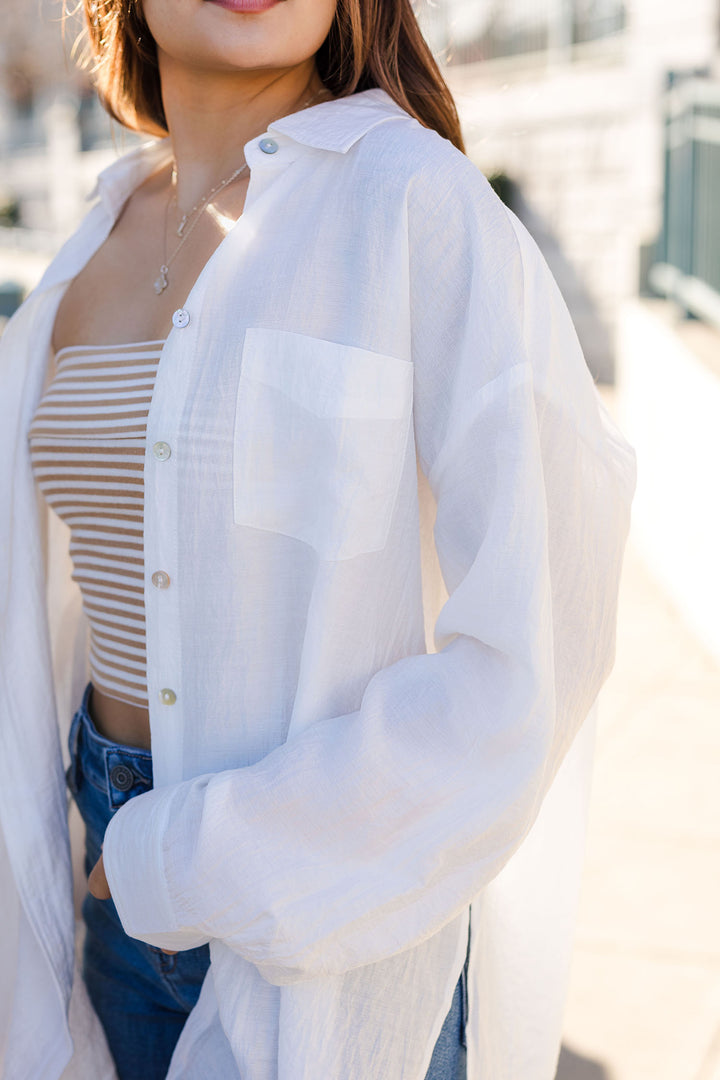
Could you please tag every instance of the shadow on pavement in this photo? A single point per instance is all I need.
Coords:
(572, 1066)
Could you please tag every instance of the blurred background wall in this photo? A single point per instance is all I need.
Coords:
(54, 138)
(598, 123)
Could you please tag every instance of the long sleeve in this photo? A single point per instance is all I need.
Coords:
(367, 832)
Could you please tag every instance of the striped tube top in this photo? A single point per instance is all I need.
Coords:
(87, 447)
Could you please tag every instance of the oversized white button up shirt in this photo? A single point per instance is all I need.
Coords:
(392, 508)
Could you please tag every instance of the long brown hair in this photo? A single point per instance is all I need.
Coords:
(370, 43)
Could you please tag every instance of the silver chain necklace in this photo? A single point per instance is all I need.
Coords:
(194, 215)
(161, 281)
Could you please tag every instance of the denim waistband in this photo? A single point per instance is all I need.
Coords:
(118, 770)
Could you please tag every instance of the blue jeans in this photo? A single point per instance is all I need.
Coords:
(142, 996)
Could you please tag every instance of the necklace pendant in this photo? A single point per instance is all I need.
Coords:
(161, 282)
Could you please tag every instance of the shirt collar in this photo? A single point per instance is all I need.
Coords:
(329, 125)
(336, 125)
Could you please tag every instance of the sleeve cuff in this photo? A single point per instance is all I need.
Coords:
(134, 860)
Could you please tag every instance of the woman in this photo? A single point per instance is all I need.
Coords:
(297, 373)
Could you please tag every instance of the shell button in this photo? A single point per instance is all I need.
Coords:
(168, 697)
(121, 777)
(161, 450)
(268, 146)
(180, 318)
(160, 579)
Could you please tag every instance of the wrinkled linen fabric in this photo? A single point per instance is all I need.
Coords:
(393, 517)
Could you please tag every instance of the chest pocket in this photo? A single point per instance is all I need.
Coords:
(319, 440)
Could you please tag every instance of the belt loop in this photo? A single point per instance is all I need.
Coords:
(71, 773)
(464, 984)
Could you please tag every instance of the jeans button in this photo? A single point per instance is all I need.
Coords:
(121, 777)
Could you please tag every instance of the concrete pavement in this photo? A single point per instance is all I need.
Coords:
(644, 1000)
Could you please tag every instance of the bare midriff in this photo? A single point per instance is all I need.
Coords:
(119, 721)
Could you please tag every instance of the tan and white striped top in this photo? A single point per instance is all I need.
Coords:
(87, 445)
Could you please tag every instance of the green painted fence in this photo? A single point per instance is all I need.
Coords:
(687, 266)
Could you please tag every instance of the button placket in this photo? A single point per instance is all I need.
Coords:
(160, 547)
(161, 535)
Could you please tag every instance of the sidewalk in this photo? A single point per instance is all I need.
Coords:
(644, 999)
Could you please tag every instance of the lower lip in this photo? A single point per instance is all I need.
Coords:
(246, 6)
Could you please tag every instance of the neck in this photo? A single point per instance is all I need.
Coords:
(211, 115)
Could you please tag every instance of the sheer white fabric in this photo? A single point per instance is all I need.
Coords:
(393, 515)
